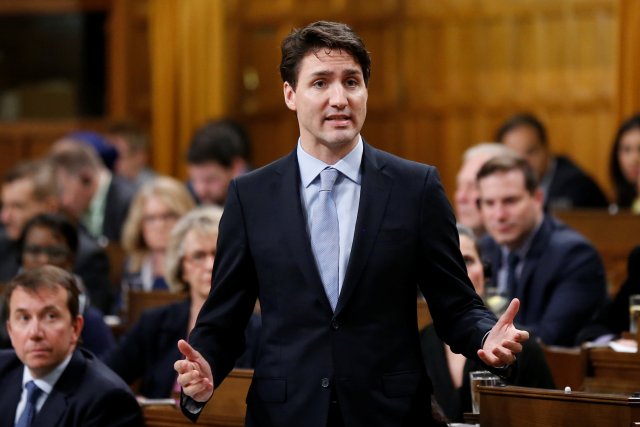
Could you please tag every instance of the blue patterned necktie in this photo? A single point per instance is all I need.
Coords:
(29, 413)
(325, 236)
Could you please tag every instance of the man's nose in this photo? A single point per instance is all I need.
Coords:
(338, 96)
(35, 329)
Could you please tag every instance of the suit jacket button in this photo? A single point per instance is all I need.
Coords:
(325, 383)
(335, 325)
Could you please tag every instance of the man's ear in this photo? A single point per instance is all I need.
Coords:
(289, 96)
(77, 328)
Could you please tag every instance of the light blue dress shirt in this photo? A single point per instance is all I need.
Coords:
(346, 193)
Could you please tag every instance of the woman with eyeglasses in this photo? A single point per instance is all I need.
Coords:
(51, 239)
(148, 351)
(154, 211)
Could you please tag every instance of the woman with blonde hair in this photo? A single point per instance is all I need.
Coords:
(154, 211)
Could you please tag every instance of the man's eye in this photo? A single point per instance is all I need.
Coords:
(319, 84)
(352, 83)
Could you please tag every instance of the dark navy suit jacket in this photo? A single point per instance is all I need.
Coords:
(562, 283)
(570, 187)
(367, 353)
(87, 394)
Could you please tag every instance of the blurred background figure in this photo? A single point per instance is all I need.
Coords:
(466, 195)
(154, 211)
(624, 166)
(563, 183)
(51, 239)
(148, 351)
(132, 145)
(219, 151)
(29, 189)
(89, 193)
(449, 371)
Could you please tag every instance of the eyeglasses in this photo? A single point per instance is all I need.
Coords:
(200, 258)
(54, 253)
(161, 217)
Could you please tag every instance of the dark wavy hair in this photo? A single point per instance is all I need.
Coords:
(626, 192)
(316, 36)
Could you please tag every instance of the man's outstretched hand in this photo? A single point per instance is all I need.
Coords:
(504, 340)
(194, 373)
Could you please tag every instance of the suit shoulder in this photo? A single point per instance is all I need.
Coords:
(99, 378)
(8, 361)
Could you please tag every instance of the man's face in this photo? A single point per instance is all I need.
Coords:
(466, 196)
(210, 181)
(41, 329)
(330, 101)
(76, 191)
(509, 211)
(524, 141)
(19, 206)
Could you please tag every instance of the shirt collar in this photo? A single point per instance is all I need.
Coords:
(349, 165)
(47, 382)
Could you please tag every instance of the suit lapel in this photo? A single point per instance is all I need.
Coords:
(532, 258)
(11, 394)
(374, 196)
(293, 225)
(56, 404)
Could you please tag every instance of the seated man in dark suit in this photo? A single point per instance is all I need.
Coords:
(46, 380)
(554, 271)
(30, 189)
(563, 183)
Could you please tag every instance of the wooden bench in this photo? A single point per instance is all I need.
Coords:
(532, 407)
(613, 236)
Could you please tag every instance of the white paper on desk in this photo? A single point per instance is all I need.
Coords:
(628, 346)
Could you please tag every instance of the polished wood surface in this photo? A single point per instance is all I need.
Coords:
(226, 409)
(530, 407)
(568, 366)
(140, 301)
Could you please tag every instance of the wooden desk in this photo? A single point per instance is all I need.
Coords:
(531, 407)
(226, 409)
(612, 372)
(613, 235)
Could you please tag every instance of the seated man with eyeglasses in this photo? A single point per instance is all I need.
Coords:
(51, 239)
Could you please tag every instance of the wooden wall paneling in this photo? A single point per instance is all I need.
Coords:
(628, 49)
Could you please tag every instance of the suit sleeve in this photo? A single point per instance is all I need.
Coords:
(460, 317)
(219, 333)
(117, 408)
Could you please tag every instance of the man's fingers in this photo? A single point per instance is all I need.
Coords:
(512, 346)
(187, 351)
(510, 314)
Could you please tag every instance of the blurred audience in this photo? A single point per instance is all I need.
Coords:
(132, 145)
(564, 185)
(156, 208)
(51, 239)
(89, 193)
(466, 195)
(148, 351)
(624, 166)
(449, 371)
(30, 189)
(219, 151)
(554, 271)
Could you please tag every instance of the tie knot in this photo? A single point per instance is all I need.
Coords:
(33, 391)
(328, 178)
(513, 259)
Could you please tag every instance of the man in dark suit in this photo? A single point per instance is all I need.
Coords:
(336, 268)
(554, 271)
(30, 189)
(46, 381)
(563, 183)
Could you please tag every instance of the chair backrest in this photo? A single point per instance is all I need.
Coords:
(568, 365)
(139, 301)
